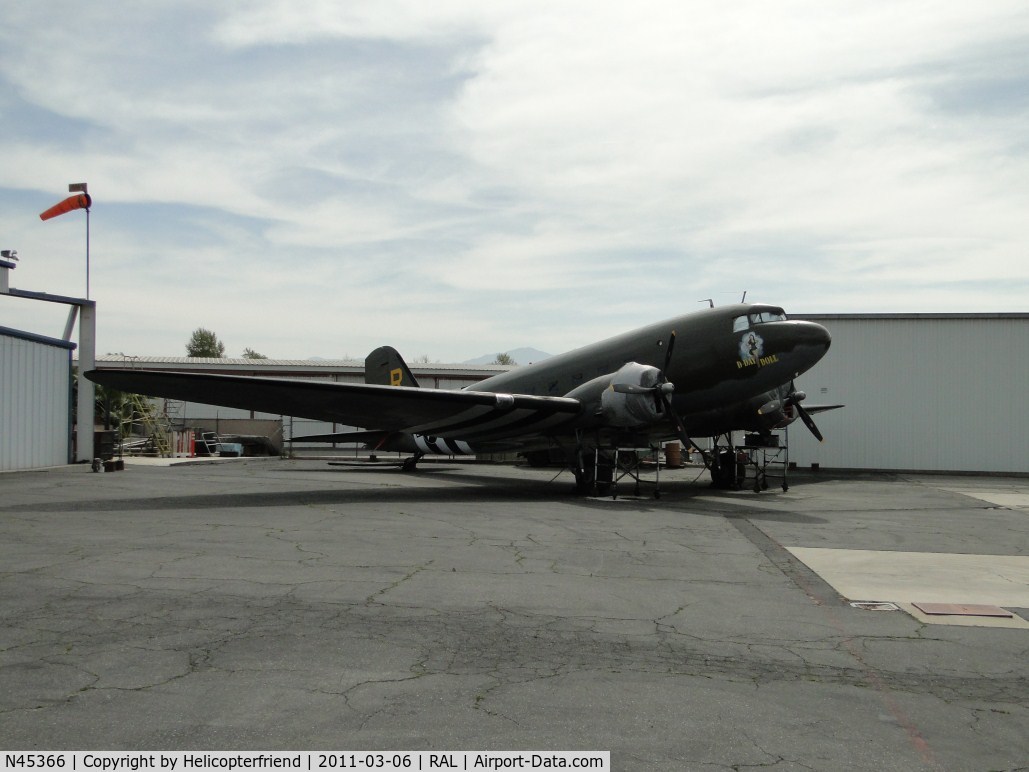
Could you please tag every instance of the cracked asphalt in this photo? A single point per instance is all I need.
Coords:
(276, 605)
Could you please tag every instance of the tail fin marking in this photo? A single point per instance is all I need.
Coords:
(385, 367)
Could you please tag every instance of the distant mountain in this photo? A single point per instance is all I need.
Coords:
(523, 356)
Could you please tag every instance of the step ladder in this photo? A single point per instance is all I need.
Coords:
(146, 429)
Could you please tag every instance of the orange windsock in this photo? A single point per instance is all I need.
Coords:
(78, 201)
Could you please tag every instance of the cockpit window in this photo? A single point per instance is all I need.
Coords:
(741, 323)
(767, 316)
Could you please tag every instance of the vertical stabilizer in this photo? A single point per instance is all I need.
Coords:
(385, 367)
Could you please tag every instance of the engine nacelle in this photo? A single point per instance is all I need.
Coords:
(628, 409)
(625, 398)
(776, 413)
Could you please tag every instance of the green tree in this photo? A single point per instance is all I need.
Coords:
(504, 359)
(249, 353)
(205, 343)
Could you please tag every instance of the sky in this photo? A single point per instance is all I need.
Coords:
(460, 177)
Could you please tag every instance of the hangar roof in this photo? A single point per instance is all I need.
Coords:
(994, 315)
(22, 335)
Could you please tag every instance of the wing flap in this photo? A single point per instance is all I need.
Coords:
(392, 408)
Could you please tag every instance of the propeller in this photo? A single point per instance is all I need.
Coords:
(661, 391)
(795, 398)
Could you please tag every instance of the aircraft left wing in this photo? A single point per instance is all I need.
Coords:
(440, 412)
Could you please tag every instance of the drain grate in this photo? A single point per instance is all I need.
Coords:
(875, 605)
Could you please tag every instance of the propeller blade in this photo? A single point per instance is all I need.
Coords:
(795, 398)
(808, 421)
(631, 388)
(634, 388)
(668, 353)
(680, 426)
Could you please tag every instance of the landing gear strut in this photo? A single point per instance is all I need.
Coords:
(724, 472)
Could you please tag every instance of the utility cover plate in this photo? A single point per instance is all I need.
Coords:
(962, 609)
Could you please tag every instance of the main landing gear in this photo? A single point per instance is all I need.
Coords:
(762, 458)
(411, 464)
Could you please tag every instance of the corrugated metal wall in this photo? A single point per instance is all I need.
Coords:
(35, 396)
(922, 392)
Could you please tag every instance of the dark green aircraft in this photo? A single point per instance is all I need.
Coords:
(703, 374)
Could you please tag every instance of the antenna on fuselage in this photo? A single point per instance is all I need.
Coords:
(709, 301)
(744, 298)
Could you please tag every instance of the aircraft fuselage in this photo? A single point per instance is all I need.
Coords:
(726, 363)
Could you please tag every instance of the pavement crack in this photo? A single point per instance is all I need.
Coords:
(373, 598)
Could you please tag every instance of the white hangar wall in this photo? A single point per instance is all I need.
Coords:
(927, 392)
(35, 401)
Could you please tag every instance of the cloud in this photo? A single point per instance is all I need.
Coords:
(553, 169)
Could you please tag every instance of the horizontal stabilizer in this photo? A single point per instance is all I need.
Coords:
(365, 438)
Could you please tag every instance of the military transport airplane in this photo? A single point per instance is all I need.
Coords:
(702, 374)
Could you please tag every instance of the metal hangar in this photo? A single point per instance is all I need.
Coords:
(923, 392)
(35, 401)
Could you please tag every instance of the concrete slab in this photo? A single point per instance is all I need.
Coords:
(181, 461)
(1000, 497)
(294, 605)
(911, 577)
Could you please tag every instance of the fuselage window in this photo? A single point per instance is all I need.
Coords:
(739, 324)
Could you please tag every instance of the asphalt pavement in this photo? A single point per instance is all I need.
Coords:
(298, 605)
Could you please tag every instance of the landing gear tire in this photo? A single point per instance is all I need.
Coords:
(583, 481)
(723, 476)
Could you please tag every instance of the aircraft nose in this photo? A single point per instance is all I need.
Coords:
(816, 335)
(813, 338)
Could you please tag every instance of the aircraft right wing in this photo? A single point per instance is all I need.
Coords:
(821, 408)
(440, 412)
